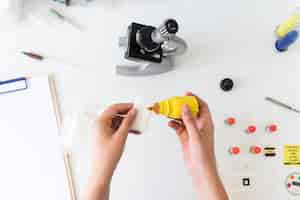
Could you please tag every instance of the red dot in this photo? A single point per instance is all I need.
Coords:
(289, 185)
(272, 128)
(251, 129)
(255, 150)
(230, 121)
(235, 150)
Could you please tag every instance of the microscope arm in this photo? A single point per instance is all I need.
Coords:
(180, 47)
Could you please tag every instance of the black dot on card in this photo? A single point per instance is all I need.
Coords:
(246, 181)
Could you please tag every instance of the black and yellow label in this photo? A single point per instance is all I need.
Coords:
(270, 151)
(291, 155)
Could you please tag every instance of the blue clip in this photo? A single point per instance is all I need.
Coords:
(13, 85)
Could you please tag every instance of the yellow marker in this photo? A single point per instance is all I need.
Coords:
(288, 25)
(291, 155)
(172, 107)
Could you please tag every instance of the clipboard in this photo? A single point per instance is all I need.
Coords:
(21, 84)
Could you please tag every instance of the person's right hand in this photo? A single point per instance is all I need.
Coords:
(196, 136)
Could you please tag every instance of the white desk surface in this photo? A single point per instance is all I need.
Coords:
(226, 39)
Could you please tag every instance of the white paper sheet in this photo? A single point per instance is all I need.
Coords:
(31, 158)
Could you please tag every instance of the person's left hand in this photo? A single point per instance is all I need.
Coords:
(110, 137)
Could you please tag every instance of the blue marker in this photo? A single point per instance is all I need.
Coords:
(283, 44)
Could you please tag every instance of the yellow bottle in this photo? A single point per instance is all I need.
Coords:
(172, 107)
(288, 25)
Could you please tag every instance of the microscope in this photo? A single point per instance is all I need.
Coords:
(150, 50)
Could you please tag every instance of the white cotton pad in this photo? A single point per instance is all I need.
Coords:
(143, 115)
(141, 121)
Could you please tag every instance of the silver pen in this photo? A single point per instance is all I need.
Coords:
(276, 102)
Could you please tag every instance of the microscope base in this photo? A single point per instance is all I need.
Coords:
(146, 69)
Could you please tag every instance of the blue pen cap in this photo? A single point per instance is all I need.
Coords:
(283, 44)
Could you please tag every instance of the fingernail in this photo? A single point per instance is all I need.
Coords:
(132, 112)
(189, 93)
(186, 109)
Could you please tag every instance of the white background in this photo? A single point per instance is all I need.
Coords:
(226, 39)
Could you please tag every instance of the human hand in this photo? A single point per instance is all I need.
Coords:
(196, 136)
(110, 137)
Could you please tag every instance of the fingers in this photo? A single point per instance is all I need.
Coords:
(189, 121)
(176, 126)
(180, 131)
(127, 122)
(204, 116)
(202, 104)
(109, 113)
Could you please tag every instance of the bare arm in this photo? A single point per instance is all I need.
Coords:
(97, 191)
(196, 136)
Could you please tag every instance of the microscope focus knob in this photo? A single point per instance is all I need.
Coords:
(171, 26)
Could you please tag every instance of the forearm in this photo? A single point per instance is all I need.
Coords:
(97, 191)
(209, 186)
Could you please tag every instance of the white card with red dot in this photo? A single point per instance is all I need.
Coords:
(293, 183)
